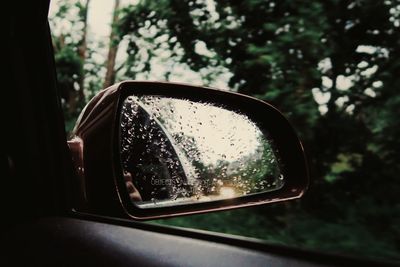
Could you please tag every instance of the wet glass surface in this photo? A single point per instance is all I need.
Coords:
(175, 151)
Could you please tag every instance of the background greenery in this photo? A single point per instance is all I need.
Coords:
(332, 67)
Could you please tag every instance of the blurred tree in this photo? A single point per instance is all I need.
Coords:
(77, 70)
(332, 66)
(70, 49)
(112, 49)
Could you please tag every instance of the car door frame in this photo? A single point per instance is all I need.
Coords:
(38, 176)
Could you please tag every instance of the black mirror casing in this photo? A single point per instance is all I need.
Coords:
(95, 148)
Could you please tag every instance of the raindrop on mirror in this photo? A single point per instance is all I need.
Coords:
(179, 151)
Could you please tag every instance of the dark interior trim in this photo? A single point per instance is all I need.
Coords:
(243, 242)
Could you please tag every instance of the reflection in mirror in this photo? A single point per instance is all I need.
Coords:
(175, 151)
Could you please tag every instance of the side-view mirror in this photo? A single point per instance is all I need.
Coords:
(148, 150)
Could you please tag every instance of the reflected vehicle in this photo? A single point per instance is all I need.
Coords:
(149, 156)
(180, 151)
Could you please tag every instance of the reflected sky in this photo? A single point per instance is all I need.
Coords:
(219, 134)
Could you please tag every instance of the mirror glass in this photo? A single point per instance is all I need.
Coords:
(175, 151)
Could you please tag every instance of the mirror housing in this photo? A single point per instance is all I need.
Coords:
(95, 146)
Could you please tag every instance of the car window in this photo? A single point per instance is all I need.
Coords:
(332, 67)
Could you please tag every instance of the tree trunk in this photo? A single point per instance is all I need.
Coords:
(76, 98)
(82, 52)
(112, 50)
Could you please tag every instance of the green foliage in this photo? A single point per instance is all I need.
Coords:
(281, 225)
(77, 73)
(332, 66)
(69, 69)
(288, 52)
